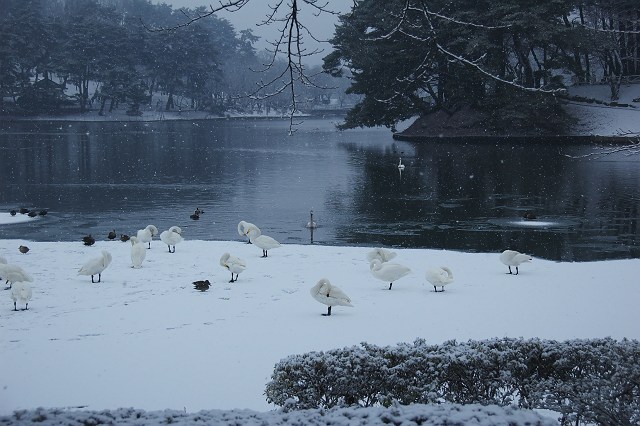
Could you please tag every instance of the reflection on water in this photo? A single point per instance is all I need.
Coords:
(95, 177)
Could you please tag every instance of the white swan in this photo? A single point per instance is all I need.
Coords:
(138, 252)
(245, 227)
(400, 165)
(96, 266)
(21, 291)
(311, 224)
(146, 235)
(171, 237)
(439, 277)
(388, 272)
(262, 241)
(330, 295)
(514, 258)
(234, 264)
(13, 274)
(383, 255)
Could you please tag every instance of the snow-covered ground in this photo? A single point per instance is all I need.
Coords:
(145, 338)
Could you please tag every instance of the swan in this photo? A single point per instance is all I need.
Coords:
(330, 295)
(383, 255)
(171, 237)
(96, 266)
(439, 277)
(202, 285)
(21, 291)
(146, 235)
(138, 252)
(400, 165)
(233, 264)
(13, 274)
(262, 241)
(514, 258)
(245, 227)
(388, 272)
(311, 224)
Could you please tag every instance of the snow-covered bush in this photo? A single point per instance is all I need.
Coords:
(595, 380)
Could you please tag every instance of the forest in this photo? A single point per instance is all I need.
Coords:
(59, 56)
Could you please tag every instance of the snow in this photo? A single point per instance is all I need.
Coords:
(145, 338)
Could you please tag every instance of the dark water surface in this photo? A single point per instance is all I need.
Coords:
(94, 177)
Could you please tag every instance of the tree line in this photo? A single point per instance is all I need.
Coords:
(510, 59)
(103, 52)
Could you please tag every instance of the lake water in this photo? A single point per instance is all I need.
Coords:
(97, 176)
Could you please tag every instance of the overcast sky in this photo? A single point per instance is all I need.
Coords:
(255, 11)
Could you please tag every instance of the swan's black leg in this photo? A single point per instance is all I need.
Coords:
(328, 312)
(510, 270)
(15, 308)
(517, 270)
(390, 284)
(92, 279)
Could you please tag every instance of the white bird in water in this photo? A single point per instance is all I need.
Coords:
(21, 291)
(146, 235)
(138, 252)
(382, 254)
(245, 227)
(514, 258)
(330, 295)
(13, 274)
(171, 237)
(439, 277)
(96, 266)
(388, 272)
(262, 241)
(234, 264)
(400, 165)
(311, 224)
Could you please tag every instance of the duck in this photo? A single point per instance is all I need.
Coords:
(198, 211)
(13, 274)
(330, 295)
(32, 213)
(514, 258)
(195, 216)
(233, 264)
(24, 210)
(138, 252)
(264, 242)
(146, 235)
(13, 212)
(245, 227)
(96, 266)
(112, 235)
(439, 277)
(21, 291)
(88, 240)
(382, 254)
(388, 272)
(124, 238)
(529, 215)
(202, 285)
(43, 212)
(171, 237)
(23, 249)
(400, 165)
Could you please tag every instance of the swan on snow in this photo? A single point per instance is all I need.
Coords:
(245, 227)
(439, 277)
(234, 264)
(171, 237)
(388, 272)
(146, 235)
(138, 252)
(382, 254)
(514, 258)
(96, 266)
(262, 241)
(21, 292)
(330, 295)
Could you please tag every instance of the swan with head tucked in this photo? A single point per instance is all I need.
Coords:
(146, 235)
(21, 291)
(383, 255)
(234, 264)
(245, 227)
(171, 237)
(330, 295)
(138, 252)
(264, 242)
(13, 274)
(514, 258)
(96, 265)
(439, 277)
(388, 272)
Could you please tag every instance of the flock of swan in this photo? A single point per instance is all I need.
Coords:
(380, 265)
